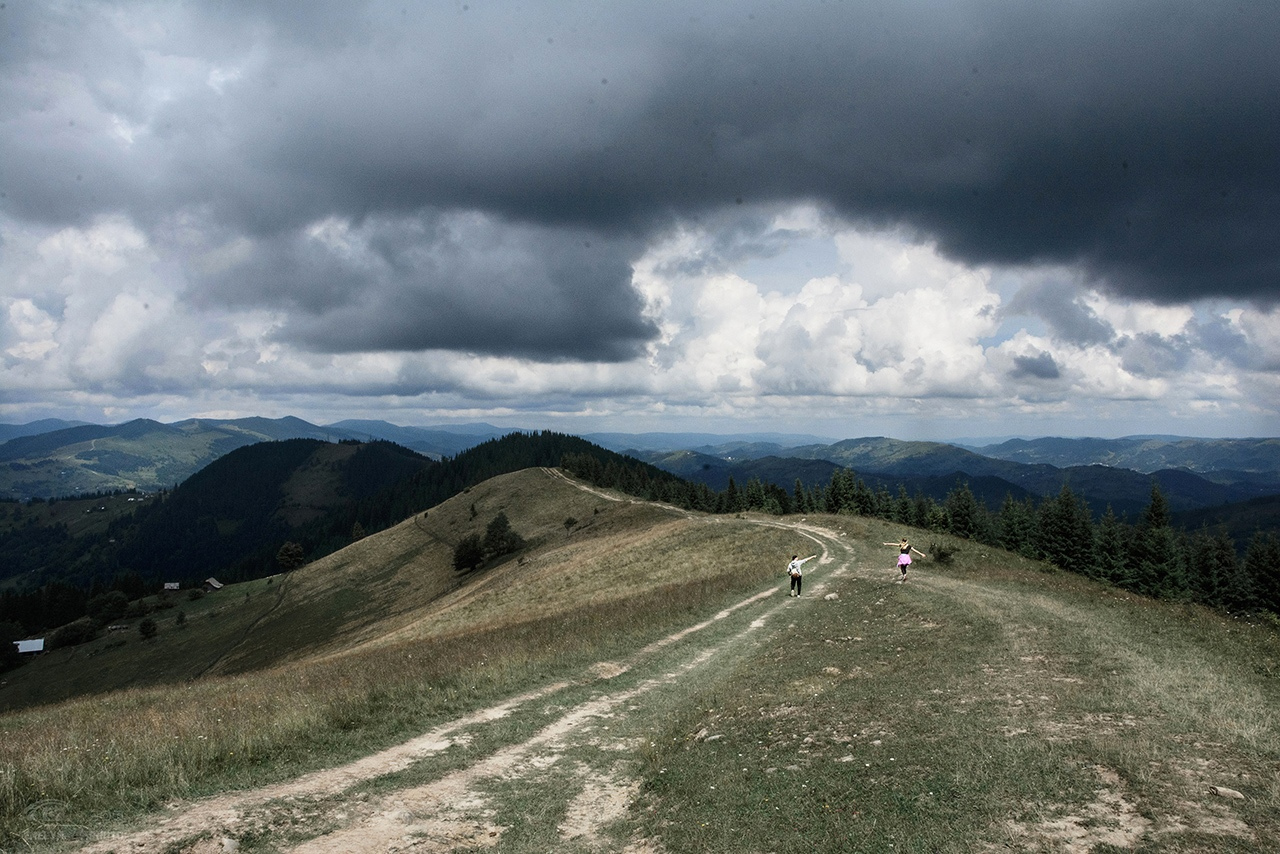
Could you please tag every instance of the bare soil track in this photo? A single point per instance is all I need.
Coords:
(582, 755)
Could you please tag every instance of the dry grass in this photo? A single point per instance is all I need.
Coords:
(626, 575)
(988, 705)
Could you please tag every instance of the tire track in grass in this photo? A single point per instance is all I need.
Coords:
(454, 810)
(225, 811)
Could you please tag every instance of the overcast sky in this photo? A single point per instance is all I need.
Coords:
(915, 219)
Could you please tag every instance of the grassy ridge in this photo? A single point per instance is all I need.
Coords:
(87, 762)
(979, 707)
(366, 591)
(984, 705)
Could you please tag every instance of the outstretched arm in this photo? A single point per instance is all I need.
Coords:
(917, 551)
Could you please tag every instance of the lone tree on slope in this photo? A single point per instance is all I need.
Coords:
(290, 556)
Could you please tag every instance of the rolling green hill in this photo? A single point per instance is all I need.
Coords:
(715, 472)
(635, 679)
(34, 428)
(368, 591)
(231, 518)
(54, 459)
(1240, 521)
(1193, 473)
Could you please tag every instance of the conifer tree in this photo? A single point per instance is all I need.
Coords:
(1064, 535)
(702, 498)
(864, 500)
(291, 556)
(840, 492)
(1016, 527)
(1238, 590)
(1160, 557)
(776, 500)
(733, 502)
(799, 498)
(904, 509)
(1156, 514)
(963, 513)
(1111, 552)
(927, 514)
(818, 500)
(1262, 566)
(468, 554)
(1212, 566)
(499, 538)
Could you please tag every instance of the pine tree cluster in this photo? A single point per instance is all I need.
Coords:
(1148, 557)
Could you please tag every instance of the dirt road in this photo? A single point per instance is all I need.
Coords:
(579, 761)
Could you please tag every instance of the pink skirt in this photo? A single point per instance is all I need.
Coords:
(904, 560)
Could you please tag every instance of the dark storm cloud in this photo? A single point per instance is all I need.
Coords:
(533, 293)
(439, 281)
(1135, 139)
(1041, 367)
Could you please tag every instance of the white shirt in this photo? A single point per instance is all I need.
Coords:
(793, 568)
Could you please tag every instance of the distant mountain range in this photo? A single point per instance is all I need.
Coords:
(1194, 473)
(51, 458)
(147, 455)
(34, 428)
(1237, 457)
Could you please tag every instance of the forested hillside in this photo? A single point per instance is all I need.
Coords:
(231, 519)
(228, 520)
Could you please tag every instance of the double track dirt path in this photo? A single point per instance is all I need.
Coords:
(580, 758)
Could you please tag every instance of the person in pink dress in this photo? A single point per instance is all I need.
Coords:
(904, 556)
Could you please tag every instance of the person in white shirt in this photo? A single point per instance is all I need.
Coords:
(795, 570)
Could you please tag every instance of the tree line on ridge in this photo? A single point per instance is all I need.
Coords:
(1147, 556)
